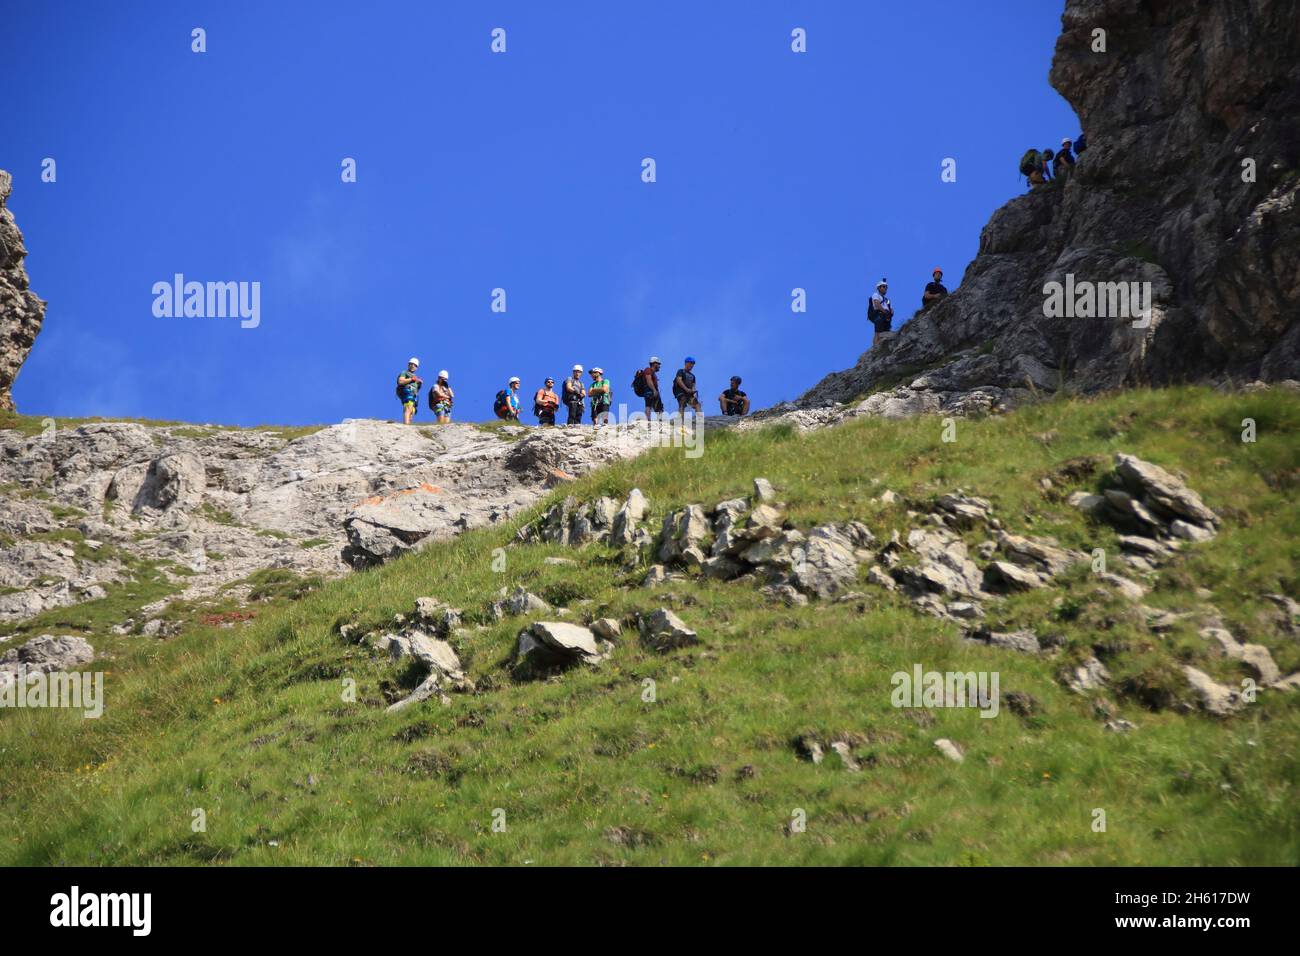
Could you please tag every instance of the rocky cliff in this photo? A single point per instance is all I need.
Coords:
(195, 512)
(1189, 183)
(21, 312)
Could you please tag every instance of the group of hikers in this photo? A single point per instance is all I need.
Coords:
(1038, 166)
(1044, 166)
(574, 395)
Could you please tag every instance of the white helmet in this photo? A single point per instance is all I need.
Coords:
(597, 370)
(514, 380)
(413, 361)
(443, 374)
(654, 360)
(577, 368)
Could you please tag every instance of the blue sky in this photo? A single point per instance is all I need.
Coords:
(477, 170)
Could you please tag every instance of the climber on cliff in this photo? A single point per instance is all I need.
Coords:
(732, 400)
(1047, 165)
(880, 312)
(575, 393)
(408, 389)
(934, 290)
(1031, 167)
(506, 404)
(441, 398)
(602, 397)
(1063, 165)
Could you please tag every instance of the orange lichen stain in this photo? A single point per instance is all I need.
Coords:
(423, 486)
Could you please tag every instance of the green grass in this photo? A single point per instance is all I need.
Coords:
(252, 724)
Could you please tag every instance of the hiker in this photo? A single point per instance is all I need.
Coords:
(935, 290)
(574, 395)
(602, 397)
(506, 404)
(441, 398)
(880, 312)
(408, 389)
(684, 389)
(1047, 165)
(545, 403)
(1031, 167)
(646, 385)
(732, 400)
(1063, 165)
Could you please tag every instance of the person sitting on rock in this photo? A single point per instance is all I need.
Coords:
(575, 393)
(602, 397)
(441, 398)
(880, 312)
(408, 389)
(935, 290)
(732, 400)
(545, 403)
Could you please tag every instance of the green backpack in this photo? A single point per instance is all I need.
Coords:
(1031, 161)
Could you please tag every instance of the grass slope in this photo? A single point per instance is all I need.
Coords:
(252, 725)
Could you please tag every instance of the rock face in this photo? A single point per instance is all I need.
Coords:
(209, 506)
(21, 312)
(1185, 94)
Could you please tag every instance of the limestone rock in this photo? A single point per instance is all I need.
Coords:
(663, 630)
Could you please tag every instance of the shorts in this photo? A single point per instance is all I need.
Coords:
(442, 409)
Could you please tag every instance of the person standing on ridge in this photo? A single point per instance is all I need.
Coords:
(602, 397)
(575, 393)
(545, 403)
(646, 385)
(684, 389)
(506, 404)
(935, 290)
(441, 398)
(408, 389)
(732, 400)
(880, 311)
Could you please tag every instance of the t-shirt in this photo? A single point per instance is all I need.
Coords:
(600, 392)
(573, 390)
(735, 400)
(933, 287)
(687, 380)
(880, 303)
(410, 388)
(442, 394)
(651, 378)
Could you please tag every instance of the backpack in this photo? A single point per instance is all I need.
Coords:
(501, 404)
(1080, 144)
(1031, 161)
(639, 385)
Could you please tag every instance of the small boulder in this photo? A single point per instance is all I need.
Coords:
(663, 630)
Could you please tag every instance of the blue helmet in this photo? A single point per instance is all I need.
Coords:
(690, 358)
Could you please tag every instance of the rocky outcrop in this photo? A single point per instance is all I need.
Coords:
(21, 312)
(86, 507)
(1189, 183)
